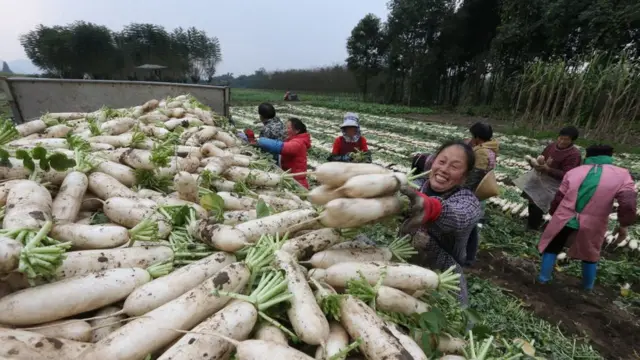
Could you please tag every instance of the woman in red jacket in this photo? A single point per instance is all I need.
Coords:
(350, 141)
(293, 150)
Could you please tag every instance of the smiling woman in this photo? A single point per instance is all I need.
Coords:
(443, 212)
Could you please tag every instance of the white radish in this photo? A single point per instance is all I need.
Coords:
(4, 190)
(305, 314)
(170, 201)
(211, 150)
(31, 127)
(33, 346)
(239, 216)
(354, 244)
(124, 174)
(223, 185)
(56, 131)
(373, 185)
(118, 126)
(90, 203)
(87, 261)
(362, 322)
(106, 186)
(260, 350)
(252, 177)
(234, 201)
(108, 320)
(217, 165)
(16, 171)
(406, 277)
(67, 203)
(327, 258)
(9, 254)
(226, 138)
(132, 342)
(281, 204)
(337, 341)
(394, 300)
(236, 321)
(87, 237)
(28, 206)
(302, 247)
(353, 213)
(153, 118)
(76, 330)
(335, 174)
(407, 342)
(205, 134)
(166, 288)
(69, 297)
(126, 212)
(186, 186)
(49, 144)
(267, 332)
(323, 194)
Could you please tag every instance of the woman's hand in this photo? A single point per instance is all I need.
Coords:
(416, 211)
(622, 232)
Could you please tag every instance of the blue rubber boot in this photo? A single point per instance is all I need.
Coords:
(589, 275)
(546, 268)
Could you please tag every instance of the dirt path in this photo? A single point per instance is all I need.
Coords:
(613, 332)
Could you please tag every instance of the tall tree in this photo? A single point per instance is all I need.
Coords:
(365, 48)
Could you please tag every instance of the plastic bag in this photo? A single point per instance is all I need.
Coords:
(539, 187)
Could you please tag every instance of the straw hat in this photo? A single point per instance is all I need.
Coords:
(488, 187)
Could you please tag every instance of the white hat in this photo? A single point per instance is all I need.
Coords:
(349, 123)
(352, 116)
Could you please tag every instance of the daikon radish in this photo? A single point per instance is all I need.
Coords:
(109, 319)
(84, 262)
(373, 185)
(16, 171)
(176, 164)
(405, 277)
(124, 174)
(106, 186)
(353, 213)
(234, 201)
(28, 206)
(90, 202)
(126, 212)
(407, 342)
(69, 297)
(335, 174)
(239, 216)
(338, 340)
(153, 118)
(31, 127)
(323, 194)
(260, 350)
(49, 144)
(186, 186)
(170, 201)
(87, 237)
(354, 244)
(267, 332)
(20, 344)
(118, 126)
(76, 330)
(133, 342)
(67, 203)
(252, 176)
(9, 254)
(166, 288)
(399, 249)
(205, 134)
(302, 247)
(282, 204)
(305, 314)
(57, 131)
(66, 116)
(362, 322)
(210, 150)
(217, 165)
(138, 159)
(236, 321)
(226, 138)
(222, 185)
(4, 190)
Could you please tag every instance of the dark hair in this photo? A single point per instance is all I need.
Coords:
(569, 131)
(418, 163)
(599, 149)
(267, 111)
(482, 131)
(468, 151)
(298, 125)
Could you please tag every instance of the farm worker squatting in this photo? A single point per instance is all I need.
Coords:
(293, 150)
(350, 142)
(485, 149)
(581, 210)
(560, 157)
(273, 127)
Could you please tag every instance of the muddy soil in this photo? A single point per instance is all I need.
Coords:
(614, 332)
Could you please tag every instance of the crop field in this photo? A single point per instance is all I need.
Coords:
(564, 322)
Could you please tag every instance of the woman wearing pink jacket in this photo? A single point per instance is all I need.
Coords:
(581, 213)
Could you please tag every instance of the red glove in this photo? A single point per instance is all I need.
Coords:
(250, 135)
(424, 209)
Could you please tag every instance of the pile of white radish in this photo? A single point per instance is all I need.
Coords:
(167, 238)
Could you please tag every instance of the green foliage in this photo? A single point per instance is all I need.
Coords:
(57, 161)
(365, 48)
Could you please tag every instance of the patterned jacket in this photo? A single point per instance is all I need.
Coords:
(274, 129)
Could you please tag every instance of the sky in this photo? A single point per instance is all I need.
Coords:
(252, 33)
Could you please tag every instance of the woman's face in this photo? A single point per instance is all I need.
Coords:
(448, 169)
(291, 131)
(351, 131)
(564, 142)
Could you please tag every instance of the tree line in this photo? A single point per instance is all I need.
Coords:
(80, 48)
(542, 61)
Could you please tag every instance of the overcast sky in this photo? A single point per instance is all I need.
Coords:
(253, 33)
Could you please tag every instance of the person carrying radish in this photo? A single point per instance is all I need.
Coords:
(351, 146)
(581, 210)
(292, 151)
(443, 212)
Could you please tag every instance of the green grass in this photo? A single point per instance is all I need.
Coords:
(346, 102)
(5, 111)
